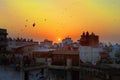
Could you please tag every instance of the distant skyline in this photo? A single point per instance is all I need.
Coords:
(57, 19)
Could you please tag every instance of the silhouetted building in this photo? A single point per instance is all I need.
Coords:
(3, 40)
(89, 40)
(89, 48)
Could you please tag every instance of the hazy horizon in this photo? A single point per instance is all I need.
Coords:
(56, 19)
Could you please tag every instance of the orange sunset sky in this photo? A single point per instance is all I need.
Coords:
(59, 18)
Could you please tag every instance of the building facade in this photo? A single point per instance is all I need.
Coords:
(21, 45)
(46, 43)
(89, 48)
(3, 40)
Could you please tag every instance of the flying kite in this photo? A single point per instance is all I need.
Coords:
(25, 25)
(34, 24)
(26, 20)
(45, 19)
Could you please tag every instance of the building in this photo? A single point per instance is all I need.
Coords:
(41, 54)
(21, 45)
(67, 44)
(67, 41)
(112, 50)
(115, 50)
(62, 64)
(89, 48)
(55, 45)
(75, 46)
(105, 58)
(46, 43)
(3, 40)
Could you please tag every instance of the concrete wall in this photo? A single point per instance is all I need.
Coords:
(89, 54)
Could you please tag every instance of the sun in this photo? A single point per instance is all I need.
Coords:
(59, 39)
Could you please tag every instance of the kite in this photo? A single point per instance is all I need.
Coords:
(34, 24)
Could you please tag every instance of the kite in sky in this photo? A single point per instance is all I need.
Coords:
(34, 24)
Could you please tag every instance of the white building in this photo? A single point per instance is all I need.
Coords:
(115, 49)
(89, 48)
(89, 54)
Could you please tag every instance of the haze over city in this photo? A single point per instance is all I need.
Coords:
(56, 19)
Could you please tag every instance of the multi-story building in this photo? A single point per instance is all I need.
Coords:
(89, 48)
(46, 43)
(67, 41)
(21, 45)
(3, 40)
(62, 64)
(67, 44)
